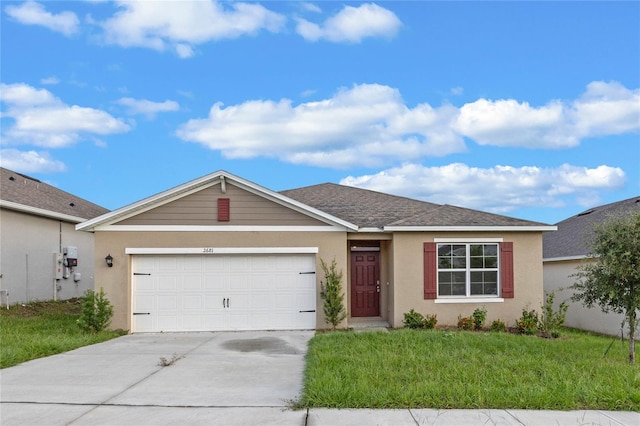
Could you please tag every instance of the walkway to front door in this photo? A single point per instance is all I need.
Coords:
(365, 284)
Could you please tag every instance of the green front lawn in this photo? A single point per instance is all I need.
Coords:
(450, 369)
(40, 329)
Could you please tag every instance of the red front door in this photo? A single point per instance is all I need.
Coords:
(365, 284)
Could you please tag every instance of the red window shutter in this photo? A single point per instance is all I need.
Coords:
(506, 269)
(224, 212)
(430, 271)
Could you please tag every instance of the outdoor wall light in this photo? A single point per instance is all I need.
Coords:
(109, 260)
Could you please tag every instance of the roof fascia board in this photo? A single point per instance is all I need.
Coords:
(40, 212)
(215, 228)
(203, 183)
(564, 258)
(221, 250)
(536, 228)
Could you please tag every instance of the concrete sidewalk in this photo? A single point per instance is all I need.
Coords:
(85, 414)
(246, 378)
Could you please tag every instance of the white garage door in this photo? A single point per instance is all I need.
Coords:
(223, 292)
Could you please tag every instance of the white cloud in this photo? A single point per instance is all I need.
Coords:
(146, 107)
(310, 7)
(499, 189)
(33, 13)
(29, 161)
(181, 25)
(368, 124)
(352, 25)
(50, 80)
(604, 109)
(43, 120)
(511, 123)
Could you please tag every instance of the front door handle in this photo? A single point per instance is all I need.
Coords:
(378, 288)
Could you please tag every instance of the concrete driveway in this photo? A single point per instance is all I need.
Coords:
(122, 382)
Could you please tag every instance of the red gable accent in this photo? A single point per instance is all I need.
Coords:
(224, 210)
(506, 269)
(430, 271)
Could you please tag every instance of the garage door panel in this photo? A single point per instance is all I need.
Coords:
(167, 283)
(167, 323)
(192, 302)
(167, 302)
(223, 292)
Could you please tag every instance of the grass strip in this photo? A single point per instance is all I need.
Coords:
(40, 329)
(468, 370)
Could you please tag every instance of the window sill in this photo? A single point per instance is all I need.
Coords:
(470, 300)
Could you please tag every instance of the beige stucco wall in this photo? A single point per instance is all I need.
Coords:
(557, 278)
(408, 286)
(27, 244)
(116, 281)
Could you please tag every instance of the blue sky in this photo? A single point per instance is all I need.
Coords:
(529, 109)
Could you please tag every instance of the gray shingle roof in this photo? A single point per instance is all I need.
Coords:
(20, 189)
(573, 233)
(367, 208)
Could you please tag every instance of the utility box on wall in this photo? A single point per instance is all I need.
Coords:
(71, 254)
(57, 266)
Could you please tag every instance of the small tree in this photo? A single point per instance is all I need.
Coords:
(331, 293)
(96, 312)
(611, 277)
(552, 321)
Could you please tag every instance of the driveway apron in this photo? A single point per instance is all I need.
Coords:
(222, 369)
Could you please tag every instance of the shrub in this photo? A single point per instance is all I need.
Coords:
(465, 323)
(498, 326)
(528, 322)
(479, 316)
(413, 319)
(331, 294)
(96, 312)
(551, 321)
(430, 321)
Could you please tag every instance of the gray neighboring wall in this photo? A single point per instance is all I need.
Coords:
(566, 249)
(37, 220)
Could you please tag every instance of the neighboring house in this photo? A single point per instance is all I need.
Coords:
(566, 249)
(223, 253)
(37, 227)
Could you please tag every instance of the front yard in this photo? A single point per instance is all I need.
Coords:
(40, 329)
(451, 369)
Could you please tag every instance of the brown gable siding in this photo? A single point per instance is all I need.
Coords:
(201, 209)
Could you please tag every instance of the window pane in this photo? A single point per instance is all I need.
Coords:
(476, 250)
(459, 250)
(444, 289)
(491, 262)
(476, 263)
(444, 263)
(458, 277)
(444, 249)
(458, 289)
(490, 249)
(484, 283)
(459, 262)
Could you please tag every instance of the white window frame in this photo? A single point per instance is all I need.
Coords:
(468, 297)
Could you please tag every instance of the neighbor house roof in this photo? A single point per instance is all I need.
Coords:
(371, 209)
(571, 239)
(23, 193)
